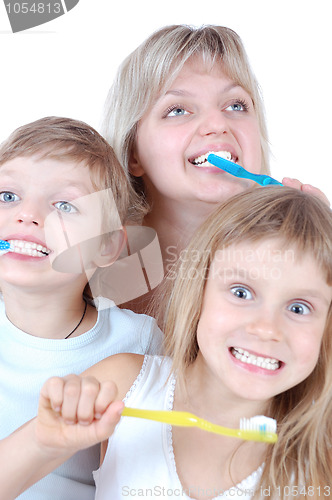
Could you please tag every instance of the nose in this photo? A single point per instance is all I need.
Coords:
(30, 213)
(214, 122)
(265, 327)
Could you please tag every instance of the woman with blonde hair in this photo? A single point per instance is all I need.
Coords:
(185, 92)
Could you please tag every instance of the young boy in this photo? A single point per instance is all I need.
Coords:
(63, 201)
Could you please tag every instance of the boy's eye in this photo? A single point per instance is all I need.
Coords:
(241, 292)
(176, 111)
(65, 207)
(8, 197)
(299, 308)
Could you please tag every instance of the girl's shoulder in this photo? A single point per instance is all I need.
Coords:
(122, 369)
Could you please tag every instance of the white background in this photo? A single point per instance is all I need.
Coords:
(66, 66)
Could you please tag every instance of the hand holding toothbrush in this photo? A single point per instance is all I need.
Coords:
(76, 412)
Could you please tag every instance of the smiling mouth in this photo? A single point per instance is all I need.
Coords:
(201, 161)
(259, 361)
(28, 248)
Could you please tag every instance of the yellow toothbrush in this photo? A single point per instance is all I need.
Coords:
(259, 428)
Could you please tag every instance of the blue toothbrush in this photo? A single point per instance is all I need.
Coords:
(4, 247)
(238, 171)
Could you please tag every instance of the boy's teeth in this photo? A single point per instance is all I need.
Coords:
(251, 359)
(202, 160)
(29, 248)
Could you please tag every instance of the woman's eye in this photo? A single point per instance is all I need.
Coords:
(8, 197)
(177, 111)
(238, 106)
(241, 292)
(299, 308)
(65, 207)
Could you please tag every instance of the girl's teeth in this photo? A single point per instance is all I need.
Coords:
(29, 248)
(251, 359)
(202, 160)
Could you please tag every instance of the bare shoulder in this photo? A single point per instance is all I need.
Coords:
(120, 368)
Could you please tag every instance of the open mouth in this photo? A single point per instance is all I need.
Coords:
(201, 161)
(259, 361)
(28, 248)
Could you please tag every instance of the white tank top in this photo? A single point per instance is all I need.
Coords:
(139, 462)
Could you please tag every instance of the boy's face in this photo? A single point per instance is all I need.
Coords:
(41, 214)
(263, 316)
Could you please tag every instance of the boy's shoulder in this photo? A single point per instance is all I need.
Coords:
(114, 312)
(130, 328)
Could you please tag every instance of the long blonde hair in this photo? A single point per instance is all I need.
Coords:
(303, 453)
(150, 69)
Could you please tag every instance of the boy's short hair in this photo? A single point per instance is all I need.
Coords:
(66, 139)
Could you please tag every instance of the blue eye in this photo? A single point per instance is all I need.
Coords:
(66, 207)
(176, 111)
(238, 106)
(241, 292)
(8, 197)
(299, 308)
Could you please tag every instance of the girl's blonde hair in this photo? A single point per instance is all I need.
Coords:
(149, 70)
(303, 454)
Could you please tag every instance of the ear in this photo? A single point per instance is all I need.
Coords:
(134, 165)
(111, 249)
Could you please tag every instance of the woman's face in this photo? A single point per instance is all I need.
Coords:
(202, 111)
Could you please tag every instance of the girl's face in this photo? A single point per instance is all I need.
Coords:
(263, 316)
(202, 111)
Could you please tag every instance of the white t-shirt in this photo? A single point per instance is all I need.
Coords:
(26, 362)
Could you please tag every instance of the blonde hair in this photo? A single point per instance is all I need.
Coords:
(150, 69)
(65, 139)
(304, 413)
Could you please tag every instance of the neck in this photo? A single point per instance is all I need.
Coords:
(219, 405)
(51, 316)
(175, 224)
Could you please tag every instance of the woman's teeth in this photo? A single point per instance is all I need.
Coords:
(29, 248)
(251, 359)
(201, 161)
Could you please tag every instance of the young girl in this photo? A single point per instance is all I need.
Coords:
(248, 331)
(182, 93)
(60, 185)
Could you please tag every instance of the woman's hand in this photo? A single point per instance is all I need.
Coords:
(307, 188)
(74, 413)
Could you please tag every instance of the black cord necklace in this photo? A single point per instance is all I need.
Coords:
(80, 321)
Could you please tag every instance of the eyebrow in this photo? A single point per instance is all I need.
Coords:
(67, 184)
(186, 93)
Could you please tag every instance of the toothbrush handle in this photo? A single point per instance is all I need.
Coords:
(179, 418)
(238, 171)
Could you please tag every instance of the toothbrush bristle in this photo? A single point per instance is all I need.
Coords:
(260, 423)
(4, 245)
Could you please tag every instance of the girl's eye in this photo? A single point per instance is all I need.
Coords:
(238, 106)
(176, 111)
(8, 197)
(241, 292)
(65, 207)
(299, 308)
